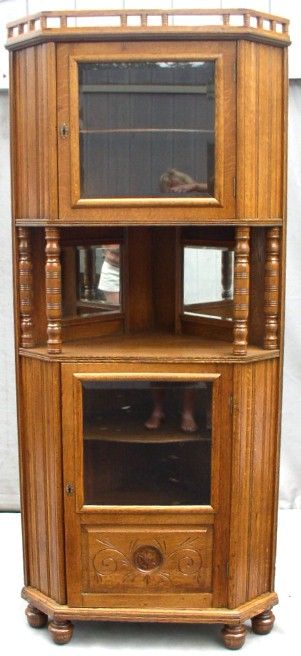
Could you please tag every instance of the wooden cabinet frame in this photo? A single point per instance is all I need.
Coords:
(235, 537)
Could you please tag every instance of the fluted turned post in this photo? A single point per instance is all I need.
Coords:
(53, 291)
(25, 288)
(271, 288)
(241, 291)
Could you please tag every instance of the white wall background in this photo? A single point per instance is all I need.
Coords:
(290, 488)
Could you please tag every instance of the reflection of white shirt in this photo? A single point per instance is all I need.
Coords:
(109, 278)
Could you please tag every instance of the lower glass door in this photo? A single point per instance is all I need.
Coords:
(147, 442)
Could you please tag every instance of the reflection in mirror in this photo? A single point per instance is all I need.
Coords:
(147, 128)
(208, 282)
(92, 280)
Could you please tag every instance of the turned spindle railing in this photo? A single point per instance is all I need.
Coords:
(271, 288)
(241, 291)
(53, 291)
(25, 288)
(228, 21)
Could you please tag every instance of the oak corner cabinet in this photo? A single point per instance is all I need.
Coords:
(148, 175)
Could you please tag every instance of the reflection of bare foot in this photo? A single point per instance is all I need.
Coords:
(155, 420)
(188, 424)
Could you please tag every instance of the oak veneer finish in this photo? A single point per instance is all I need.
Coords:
(230, 575)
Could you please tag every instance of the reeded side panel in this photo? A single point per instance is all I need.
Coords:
(260, 131)
(34, 132)
(41, 462)
(254, 478)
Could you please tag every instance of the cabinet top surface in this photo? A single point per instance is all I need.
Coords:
(148, 24)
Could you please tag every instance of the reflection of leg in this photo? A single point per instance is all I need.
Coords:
(188, 423)
(157, 415)
(208, 408)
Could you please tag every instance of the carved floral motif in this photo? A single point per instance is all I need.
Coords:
(152, 563)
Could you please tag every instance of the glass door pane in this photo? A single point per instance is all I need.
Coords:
(147, 128)
(147, 443)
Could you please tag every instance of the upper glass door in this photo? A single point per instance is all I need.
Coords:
(142, 132)
(147, 129)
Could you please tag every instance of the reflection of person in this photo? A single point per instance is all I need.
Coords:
(179, 182)
(109, 281)
(188, 423)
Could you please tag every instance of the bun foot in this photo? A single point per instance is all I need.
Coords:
(35, 617)
(234, 636)
(60, 631)
(263, 623)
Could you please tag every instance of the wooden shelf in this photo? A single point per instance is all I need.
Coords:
(131, 433)
(150, 347)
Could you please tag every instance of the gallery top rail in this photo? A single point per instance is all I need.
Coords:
(147, 23)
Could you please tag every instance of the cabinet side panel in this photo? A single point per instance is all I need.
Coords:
(261, 130)
(254, 474)
(34, 127)
(264, 470)
(42, 472)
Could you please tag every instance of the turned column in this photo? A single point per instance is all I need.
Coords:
(25, 288)
(241, 291)
(53, 291)
(271, 288)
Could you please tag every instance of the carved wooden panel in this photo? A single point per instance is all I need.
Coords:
(137, 560)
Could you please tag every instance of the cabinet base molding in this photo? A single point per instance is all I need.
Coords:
(258, 608)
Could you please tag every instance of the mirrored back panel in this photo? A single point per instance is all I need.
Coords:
(92, 280)
(208, 281)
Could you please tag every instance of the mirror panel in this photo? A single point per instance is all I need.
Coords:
(92, 281)
(208, 282)
(147, 128)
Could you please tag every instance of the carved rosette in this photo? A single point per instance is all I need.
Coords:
(241, 291)
(53, 290)
(25, 288)
(271, 288)
(149, 564)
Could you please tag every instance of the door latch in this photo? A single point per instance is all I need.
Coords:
(64, 130)
(69, 489)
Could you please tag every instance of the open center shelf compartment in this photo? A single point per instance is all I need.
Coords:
(151, 347)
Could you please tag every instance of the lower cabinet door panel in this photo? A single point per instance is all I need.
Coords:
(161, 567)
